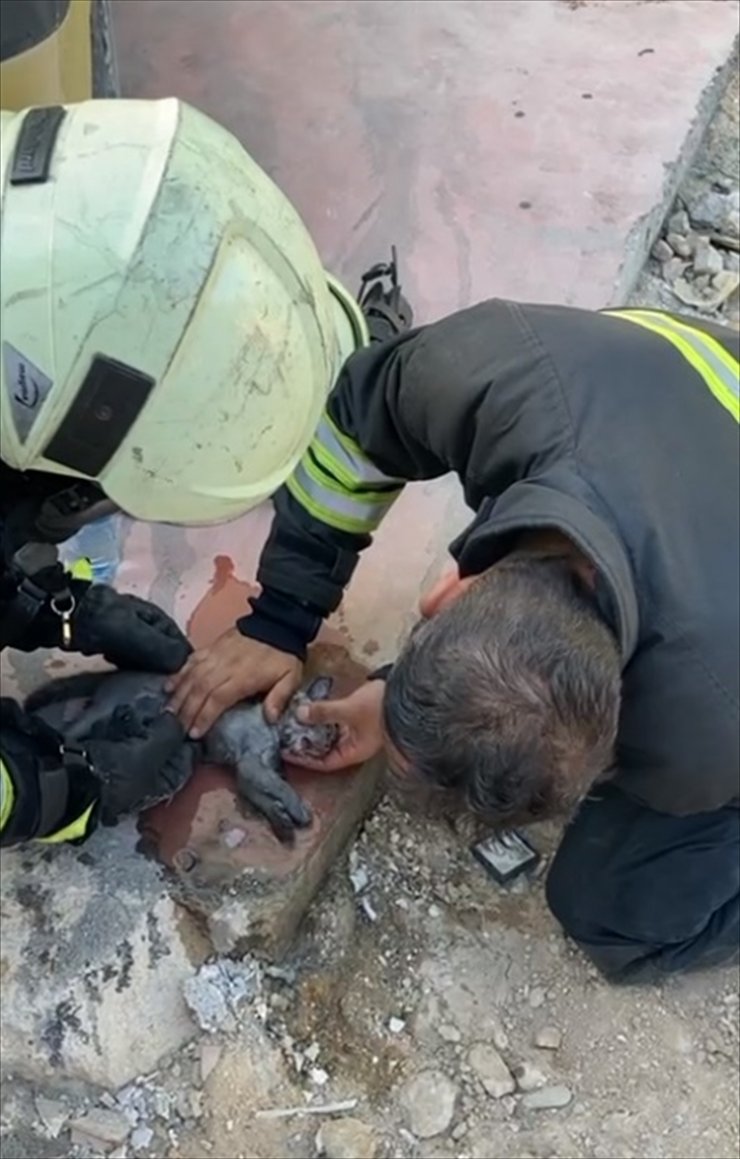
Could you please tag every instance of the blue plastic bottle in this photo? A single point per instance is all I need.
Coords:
(100, 543)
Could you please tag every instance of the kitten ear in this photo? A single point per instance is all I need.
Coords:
(320, 688)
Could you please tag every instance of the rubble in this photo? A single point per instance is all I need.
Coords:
(429, 1100)
(491, 1069)
(53, 1114)
(529, 1077)
(99, 1127)
(548, 1038)
(547, 1099)
(347, 1139)
(219, 988)
(694, 265)
(210, 1053)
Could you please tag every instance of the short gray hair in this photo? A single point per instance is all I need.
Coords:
(509, 697)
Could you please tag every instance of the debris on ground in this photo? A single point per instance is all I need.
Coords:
(429, 1099)
(346, 1139)
(219, 988)
(694, 265)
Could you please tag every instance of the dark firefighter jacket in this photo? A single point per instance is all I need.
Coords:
(618, 428)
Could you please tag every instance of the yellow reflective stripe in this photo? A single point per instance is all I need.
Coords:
(719, 360)
(345, 511)
(717, 367)
(81, 569)
(71, 832)
(7, 796)
(338, 484)
(321, 477)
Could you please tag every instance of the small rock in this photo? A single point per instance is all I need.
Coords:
(218, 989)
(529, 1077)
(141, 1138)
(210, 1053)
(162, 1104)
(347, 1139)
(718, 211)
(459, 1131)
(491, 1069)
(537, 998)
(429, 1100)
(319, 1077)
(673, 269)
(679, 222)
(662, 250)
(548, 1038)
(449, 1032)
(725, 282)
(396, 1025)
(195, 1104)
(97, 1125)
(707, 260)
(547, 1099)
(680, 245)
(53, 1114)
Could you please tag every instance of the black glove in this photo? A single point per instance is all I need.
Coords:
(138, 762)
(128, 632)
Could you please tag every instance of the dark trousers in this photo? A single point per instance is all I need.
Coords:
(645, 894)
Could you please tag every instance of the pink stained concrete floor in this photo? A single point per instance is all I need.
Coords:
(508, 147)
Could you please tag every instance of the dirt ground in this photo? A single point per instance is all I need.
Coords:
(416, 999)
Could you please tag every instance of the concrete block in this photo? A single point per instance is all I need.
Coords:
(94, 956)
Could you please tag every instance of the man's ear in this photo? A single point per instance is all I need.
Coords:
(444, 592)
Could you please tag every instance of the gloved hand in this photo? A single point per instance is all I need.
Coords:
(138, 762)
(129, 632)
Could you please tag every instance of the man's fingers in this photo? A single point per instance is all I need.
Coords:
(277, 699)
(322, 712)
(176, 680)
(212, 707)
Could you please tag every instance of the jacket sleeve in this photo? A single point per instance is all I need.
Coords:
(46, 791)
(410, 409)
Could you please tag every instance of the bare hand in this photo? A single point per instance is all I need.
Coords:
(233, 669)
(360, 721)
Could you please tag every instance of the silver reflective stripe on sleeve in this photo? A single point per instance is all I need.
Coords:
(338, 484)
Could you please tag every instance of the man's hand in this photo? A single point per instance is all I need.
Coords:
(233, 669)
(138, 762)
(360, 721)
(129, 632)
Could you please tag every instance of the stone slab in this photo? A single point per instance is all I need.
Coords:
(93, 957)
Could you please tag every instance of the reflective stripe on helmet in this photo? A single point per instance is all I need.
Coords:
(338, 484)
(718, 368)
(7, 796)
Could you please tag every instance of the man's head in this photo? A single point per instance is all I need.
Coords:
(509, 696)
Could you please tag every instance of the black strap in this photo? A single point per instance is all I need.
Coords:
(54, 787)
(40, 578)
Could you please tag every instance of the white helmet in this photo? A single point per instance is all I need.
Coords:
(167, 329)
